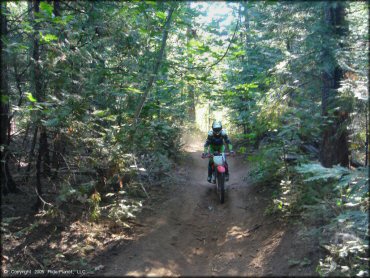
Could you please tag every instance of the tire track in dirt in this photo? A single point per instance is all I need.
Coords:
(191, 234)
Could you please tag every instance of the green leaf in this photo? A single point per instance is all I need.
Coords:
(195, 43)
(4, 98)
(67, 18)
(134, 90)
(47, 8)
(48, 38)
(99, 113)
(239, 53)
(153, 3)
(161, 15)
(30, 97)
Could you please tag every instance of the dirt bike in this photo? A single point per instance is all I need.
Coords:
(218, 173)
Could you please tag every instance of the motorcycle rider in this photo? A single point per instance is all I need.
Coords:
(215, 141)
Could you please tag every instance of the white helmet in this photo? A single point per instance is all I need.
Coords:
(217, 127)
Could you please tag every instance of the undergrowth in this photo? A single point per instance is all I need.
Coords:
(92, 197)
(334, 202)
(343, 195)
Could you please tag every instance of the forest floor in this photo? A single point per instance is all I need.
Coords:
(187, 232)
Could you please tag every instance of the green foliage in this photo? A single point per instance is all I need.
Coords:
(30, 97)
(48, 38)
(348, 246)
(266, 170)
(158, 137)
(322, 173)
(123, 210)
(47, 8)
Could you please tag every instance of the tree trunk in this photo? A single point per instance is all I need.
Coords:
(44, 161)
(43, 152)
(190, 88)
(31, 153)
(56, 9)
(191, 110)
(58, 152)
(334, 145)
(7, 182)
(44, 149)
(367, 138)
(157, 64)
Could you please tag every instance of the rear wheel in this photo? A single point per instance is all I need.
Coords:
(221, 187)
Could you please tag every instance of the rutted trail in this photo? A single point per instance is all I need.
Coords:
(191, 234)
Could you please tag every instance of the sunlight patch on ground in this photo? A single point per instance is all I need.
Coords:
(237, 233)
(156, 270)
(197, 251)
(269, 245)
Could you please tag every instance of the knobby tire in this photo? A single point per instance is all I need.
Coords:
(221, 187)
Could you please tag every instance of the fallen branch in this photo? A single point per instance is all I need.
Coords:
(255, 228)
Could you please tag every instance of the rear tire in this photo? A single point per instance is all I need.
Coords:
(221, 187)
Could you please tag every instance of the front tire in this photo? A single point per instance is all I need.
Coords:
(221, 187)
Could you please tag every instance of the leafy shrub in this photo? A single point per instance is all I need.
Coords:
(158, 136)
(267, 170)
(348, 228)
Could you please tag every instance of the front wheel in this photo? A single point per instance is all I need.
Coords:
(221, 187)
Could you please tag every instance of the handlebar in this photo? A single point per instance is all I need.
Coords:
(209, 155)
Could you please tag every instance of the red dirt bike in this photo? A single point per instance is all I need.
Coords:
(218, 173)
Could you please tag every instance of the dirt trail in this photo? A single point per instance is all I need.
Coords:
(190, 234)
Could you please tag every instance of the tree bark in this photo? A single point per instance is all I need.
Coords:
(7, 183)
(31, 153)
(58, 152)
(44, 149)
(56, 9)
(334, 145)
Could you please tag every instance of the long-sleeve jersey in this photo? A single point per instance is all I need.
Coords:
(217, 142)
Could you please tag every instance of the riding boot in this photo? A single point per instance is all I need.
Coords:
(209, 178)
(226, 171)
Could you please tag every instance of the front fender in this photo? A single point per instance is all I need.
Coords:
(221, 169)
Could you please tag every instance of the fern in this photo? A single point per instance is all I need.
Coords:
(349, 229)
(322, 173)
